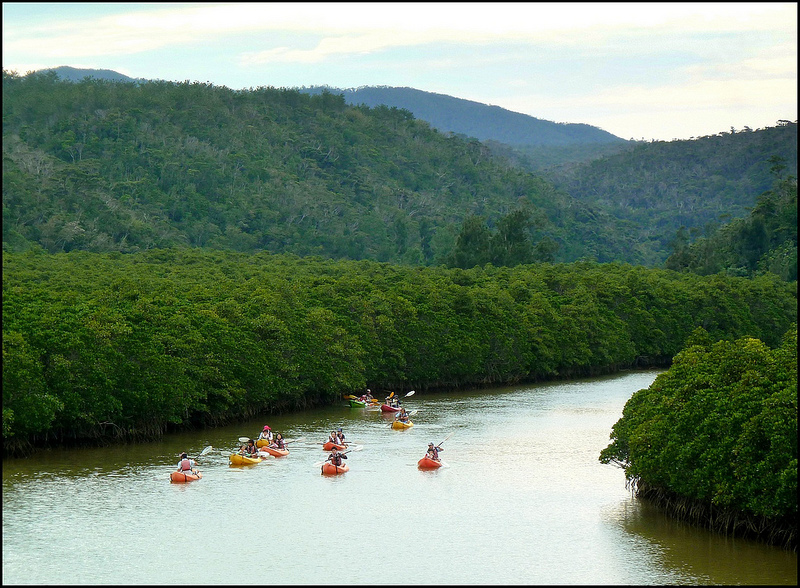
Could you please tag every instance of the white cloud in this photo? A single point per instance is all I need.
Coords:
(346, 26)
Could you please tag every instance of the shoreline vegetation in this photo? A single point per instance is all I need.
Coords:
(713, 441)
(106, 346)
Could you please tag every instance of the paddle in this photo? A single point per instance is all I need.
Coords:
(206, 450)
(445, 439)
(410, 394)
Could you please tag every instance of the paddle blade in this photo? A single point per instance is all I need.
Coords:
(446, 438)
(205, 451)
(410, 394)
(244, 439)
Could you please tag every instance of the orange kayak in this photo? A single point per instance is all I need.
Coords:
(329, 469)
(330, 445)
(181, 477)
(427, 463)
(275, 452)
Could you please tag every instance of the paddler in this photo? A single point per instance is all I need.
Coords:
(336, 457)
(249, 448)
(186, 464)
(278, 443)
(266, 434)
(433, 452)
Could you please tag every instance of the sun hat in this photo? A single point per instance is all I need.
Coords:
(266, 428)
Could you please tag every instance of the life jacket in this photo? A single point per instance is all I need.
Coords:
(186, 465)
(336, 460)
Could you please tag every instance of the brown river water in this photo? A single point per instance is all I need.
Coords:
(522, 499)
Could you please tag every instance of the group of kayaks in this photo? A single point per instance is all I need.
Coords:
(328, 468)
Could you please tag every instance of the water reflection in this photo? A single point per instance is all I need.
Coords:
(703, 555)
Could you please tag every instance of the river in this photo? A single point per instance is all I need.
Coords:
(522, 499)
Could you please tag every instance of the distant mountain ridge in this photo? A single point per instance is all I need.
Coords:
(74, 74)
(474, 119)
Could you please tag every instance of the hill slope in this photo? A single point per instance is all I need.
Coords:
(697, 184)
(107, 166)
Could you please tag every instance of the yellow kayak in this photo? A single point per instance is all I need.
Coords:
(238, 459)
(400, 425)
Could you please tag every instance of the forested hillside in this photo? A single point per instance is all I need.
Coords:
(699, 184)
(111, 166)
(764, 241)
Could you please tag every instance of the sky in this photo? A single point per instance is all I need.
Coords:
(651, 71)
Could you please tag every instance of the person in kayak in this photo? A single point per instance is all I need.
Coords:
(266, 433)
(333, 438)
(248, 448)
(336, 457)
(433, 452)
(340, 436)
(186, 465)
(278, 443)
(402, 416)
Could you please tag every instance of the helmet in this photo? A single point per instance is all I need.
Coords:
(184, 455)
(430, 444)
(339, 429)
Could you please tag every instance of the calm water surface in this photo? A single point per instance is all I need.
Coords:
(522, 500)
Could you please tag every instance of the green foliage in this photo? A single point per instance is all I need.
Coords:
(135, 345)
(720, 426)
(509, 245)
(764, 241)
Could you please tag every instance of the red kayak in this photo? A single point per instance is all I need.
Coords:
(331, 445)
(181, 477)
(329, 469)
(387, 408)
(426, 463)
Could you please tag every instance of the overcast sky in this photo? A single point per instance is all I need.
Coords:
(637, 70)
